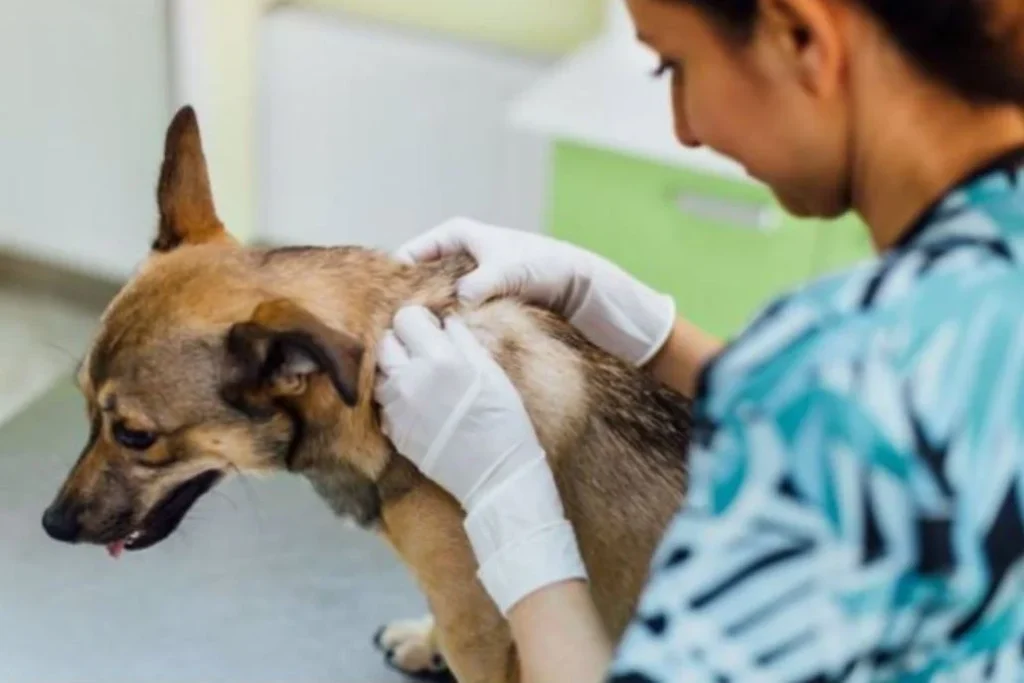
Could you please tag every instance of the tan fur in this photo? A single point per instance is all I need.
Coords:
(254, 360)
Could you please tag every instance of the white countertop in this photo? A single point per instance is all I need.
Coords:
(604, 97)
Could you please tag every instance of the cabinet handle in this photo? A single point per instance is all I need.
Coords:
(748, 214)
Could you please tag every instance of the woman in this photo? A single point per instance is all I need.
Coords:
(854, 510)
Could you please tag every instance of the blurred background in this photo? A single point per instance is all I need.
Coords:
(325, 122)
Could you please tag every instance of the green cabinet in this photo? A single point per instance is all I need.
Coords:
(721, 246)
(844, 242)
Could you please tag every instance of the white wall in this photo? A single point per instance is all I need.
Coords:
(85, 104)
(369, 134)
(214, 45)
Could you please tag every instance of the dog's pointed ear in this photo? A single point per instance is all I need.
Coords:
(281, 347)
(184, 197)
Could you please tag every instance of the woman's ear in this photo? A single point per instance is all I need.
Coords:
(809, 38)
(187, 213)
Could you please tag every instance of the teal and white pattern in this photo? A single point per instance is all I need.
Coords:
(855, 511)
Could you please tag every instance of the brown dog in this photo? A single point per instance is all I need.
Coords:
(216, 359)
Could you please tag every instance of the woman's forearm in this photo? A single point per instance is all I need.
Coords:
(679, 362)
(559, 636)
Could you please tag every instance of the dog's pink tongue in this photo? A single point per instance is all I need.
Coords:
(115, 549)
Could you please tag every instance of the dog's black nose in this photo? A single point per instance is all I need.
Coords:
(61, 522)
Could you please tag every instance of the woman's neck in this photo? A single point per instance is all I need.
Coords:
(919, 149)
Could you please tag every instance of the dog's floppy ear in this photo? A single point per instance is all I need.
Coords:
(187, 213)
(281, 346)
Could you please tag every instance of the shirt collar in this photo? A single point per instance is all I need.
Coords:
(1008, 165)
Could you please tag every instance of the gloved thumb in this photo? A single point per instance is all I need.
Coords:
(465, 341)
(481, 284)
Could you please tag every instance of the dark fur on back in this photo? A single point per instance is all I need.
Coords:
(647, 415)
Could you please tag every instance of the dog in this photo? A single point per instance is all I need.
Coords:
(217, 358)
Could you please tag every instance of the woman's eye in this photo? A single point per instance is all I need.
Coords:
(665, 66)
(129, 438)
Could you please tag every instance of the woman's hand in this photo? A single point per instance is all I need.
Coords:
(611, 308)
(451, 409)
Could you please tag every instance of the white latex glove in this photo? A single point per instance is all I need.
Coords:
(610, 307)
(451, 409)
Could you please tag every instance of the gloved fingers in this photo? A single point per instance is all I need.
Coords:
(419, 331)
(386, 392)
(465, 341)
(448, 238)
(391, 355)
(481, 284)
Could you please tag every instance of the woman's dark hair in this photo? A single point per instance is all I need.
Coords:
(976, 47)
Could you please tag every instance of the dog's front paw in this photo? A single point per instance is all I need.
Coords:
(409, 646)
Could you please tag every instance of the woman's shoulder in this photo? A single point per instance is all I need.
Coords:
(944, 330)
(941, 376)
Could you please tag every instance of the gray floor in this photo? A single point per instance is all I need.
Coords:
(260, 584)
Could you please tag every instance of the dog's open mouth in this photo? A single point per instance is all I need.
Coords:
(166, 515)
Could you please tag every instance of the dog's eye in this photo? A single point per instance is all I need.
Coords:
(129, 438)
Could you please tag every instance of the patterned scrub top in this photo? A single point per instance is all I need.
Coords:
(857, 480)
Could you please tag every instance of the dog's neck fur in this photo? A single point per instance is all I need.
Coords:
(356, 484)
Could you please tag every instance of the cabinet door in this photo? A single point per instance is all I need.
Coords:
(86, 103)
(721, 247)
